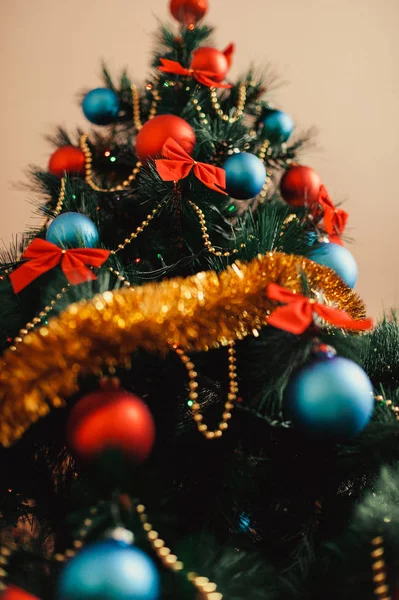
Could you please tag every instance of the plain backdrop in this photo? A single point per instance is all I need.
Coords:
(339, 60)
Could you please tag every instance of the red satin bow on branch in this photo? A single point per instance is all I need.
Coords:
(177, 165)
(43, 256)
(298, 313)
(335, 219)
(204, 77)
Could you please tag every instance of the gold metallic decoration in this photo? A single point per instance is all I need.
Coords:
(262, 156)
(381, 588)
(79, 541)
(136, 106)
(207, 590)
(202, 116)
(121, 278)
(5, 554)
(197, 313)
(239, 111)
(89, 172)
(32, 324)
(139, 229)
(394, 409)
(193, 395)
(59, 205)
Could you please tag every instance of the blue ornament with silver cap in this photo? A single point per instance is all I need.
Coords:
(73, 230)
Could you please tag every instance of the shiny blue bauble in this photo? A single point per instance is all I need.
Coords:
(277, 126)
(245, 176)
(338, 258)
(109, 570)
(329, 398)
(101, 106)
(73, 230)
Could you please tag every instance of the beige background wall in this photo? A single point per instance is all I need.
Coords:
(340, 57)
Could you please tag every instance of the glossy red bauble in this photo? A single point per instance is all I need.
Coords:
(300, 186)
(155, 132)
(13, 592)
(67, 159)
(188, 12)
(210, 59)
(111, 420)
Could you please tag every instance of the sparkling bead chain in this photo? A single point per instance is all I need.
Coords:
(60, 203)
(121, 278)
(5, 555)
(89, 172)
(202, 116)
(136, 106)
(262, 156)
(171, 561)
(139, 229)
(78, 542)
(381, 589)
(242, 98)
(37, 320)
(394, 409)
(193, 395)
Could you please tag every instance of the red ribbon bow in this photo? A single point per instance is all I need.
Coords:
(177, 165)
(44, 256)
(204, 77)
(298, 313)
(335, 219)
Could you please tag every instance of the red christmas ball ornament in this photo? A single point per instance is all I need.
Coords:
(155, 132)
(300, 186)
(188, 12)
(67, 159)
(13, 592)
(110, 419)
(210, 59)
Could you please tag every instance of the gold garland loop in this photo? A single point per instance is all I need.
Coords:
(203, 311)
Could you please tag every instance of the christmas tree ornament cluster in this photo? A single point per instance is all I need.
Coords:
(245, 175)
(329, 398)
(109, 570)
(111, 420)
(338, 258)
(73, 230)
(101, 106)
(67, 159)
(277, 126)
(300, 186)
(188, 12)
(155, 132)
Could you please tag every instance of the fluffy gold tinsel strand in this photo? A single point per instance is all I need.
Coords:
(204, 311)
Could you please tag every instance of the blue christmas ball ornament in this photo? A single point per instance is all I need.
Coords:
(101, 106)
(338, 258)
(277, 126)
(245, 175)
(109, 570)
(73, 230)
(329, 398)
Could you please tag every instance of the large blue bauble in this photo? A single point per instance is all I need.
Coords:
(109, 570)
(329, 398)
(73, 230)
(277, 126)
(101, 106)
(338, 258)
(245, 175)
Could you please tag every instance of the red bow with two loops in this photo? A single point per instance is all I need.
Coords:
(298, 313)
(335, 219)
(177, 165)
(204, 77)
(43, 256)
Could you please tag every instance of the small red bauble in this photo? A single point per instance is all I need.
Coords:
(111, 420)
(210, 59)
(155, 132)
(188, 12)
(67, 159)
(300, 186)
(13, 592)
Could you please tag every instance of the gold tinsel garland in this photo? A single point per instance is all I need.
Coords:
(204, 311)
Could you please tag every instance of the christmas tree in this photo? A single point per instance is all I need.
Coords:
(193, 402)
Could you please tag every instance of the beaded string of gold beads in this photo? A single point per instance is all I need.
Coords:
(139, 229)
(60, 202)
(126, 283)
(195, 407)
(394, 409)
(79, 541)
(89, 172)
(136, 105)
(262, 156)
(171, 561)
(37, 320)
(5, 554)
(239, 110)
(381, 588)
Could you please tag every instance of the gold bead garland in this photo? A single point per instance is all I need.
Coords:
(136, 106)
(121, 278)
(5, 555)
(394, 409)
(200, 111)
(139, 229)
(171, 561)
(78, 542)
(242, 98)
(89, 172)
(381, 588)
(59, 204)
(262, 156)
(193, 395)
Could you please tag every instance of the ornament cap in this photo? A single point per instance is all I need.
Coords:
(321, 350)
(120, 534)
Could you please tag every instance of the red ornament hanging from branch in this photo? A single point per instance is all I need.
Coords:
(209, 66)
(188, 12)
